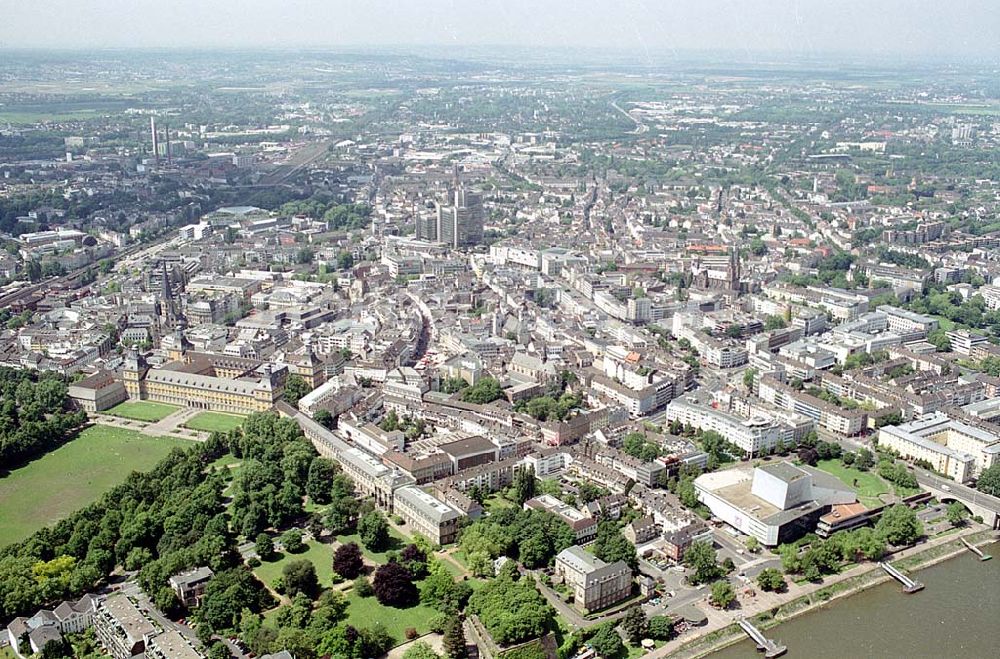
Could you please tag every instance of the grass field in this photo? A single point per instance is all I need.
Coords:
(869, 485)
(366, 611)
(74, 475)
(37, 117)
(142, 410)
(495, 503)
(319, 554)
(214, 422)
(396, 542)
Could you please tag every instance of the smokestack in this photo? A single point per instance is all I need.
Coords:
(156, 145)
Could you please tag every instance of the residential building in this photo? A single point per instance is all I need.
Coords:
(955, 449)
(121, 627)
(190, 586)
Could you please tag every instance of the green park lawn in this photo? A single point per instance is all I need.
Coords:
(366, 612)
(142, 410)
(214, 422)
(75, 474)
(869, 484)
(496, 502)
(320, 555)
(396, 542)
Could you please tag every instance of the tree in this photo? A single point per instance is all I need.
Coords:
(218, 650)
(295, 388)
(56, 649)
(420, 650)
(373, 530)
(321, 473)
(455, 646)
(348, 561)
(989, 481)
(440, 591)
(864, 460)
(957, 513)
(701, 557)
(393, 585)
(291, 540)
(264, 546)
(607, 643)
(748, 376)
(524, 486)
(899, 525)
(775, 323)
(299, 576)
(753, 545)
(324, 418)
(166, 600)
(771, 580)
(722, 594)
(363, 586)
(635, 625)
(661, 628)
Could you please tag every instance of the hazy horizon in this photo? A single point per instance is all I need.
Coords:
(875, 29)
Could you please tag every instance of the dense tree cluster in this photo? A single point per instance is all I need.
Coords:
(826, 556)
(295, 388)
(896, 473)
(336, 215)
(168, 520)
(899, 525)
(34, 415)
(309, 631)
(533, 537)
(485, 391)
(771, 580)
(611, 545)
(342, 513)
(636, 445)
(440, 590)
(268, 489)
(512, 610)
(549, 408)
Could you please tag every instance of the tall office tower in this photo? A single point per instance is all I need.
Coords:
(468, 217)
(427, 227)
(156, 144)
(461, 224)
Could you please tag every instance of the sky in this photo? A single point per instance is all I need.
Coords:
(879, 28)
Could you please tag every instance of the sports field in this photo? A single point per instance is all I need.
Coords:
(77, 473)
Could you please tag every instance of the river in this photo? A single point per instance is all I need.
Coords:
(956, 615)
